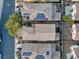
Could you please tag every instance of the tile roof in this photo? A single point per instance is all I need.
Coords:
(77, 27)
(75, 0)
(38, 49)
(76, 33)
(37, 46)
(45, 28)
(77, 11)
(41, 32)
(33, 10)
(42, 0)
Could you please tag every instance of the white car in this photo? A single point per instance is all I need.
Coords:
(0, 56)
(0, 39)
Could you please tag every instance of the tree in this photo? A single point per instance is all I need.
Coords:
(13, 24)
(68, 20)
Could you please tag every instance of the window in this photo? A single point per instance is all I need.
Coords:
(66, 35)
(68, 4)
(71, 10)
(28, 17)
(47, 52)
(70, 15)
(26, 58)
(57, 29)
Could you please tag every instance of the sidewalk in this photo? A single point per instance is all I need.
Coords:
(1, 5)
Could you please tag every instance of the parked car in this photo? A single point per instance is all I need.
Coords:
(0, 56)
(0, 39)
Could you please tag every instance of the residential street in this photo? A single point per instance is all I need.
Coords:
(7, 44)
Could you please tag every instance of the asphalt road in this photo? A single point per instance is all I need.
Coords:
(7, 44)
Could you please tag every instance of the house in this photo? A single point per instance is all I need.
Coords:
(72, 11)
(31, 11)
(75, 0)
(40, 0)
(72, 0)
(39, 51)
(38, 32)
(75, 51)
(75, 32)
(39, 11)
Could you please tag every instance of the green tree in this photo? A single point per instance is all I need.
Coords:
(13, 24)
(68, 20)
